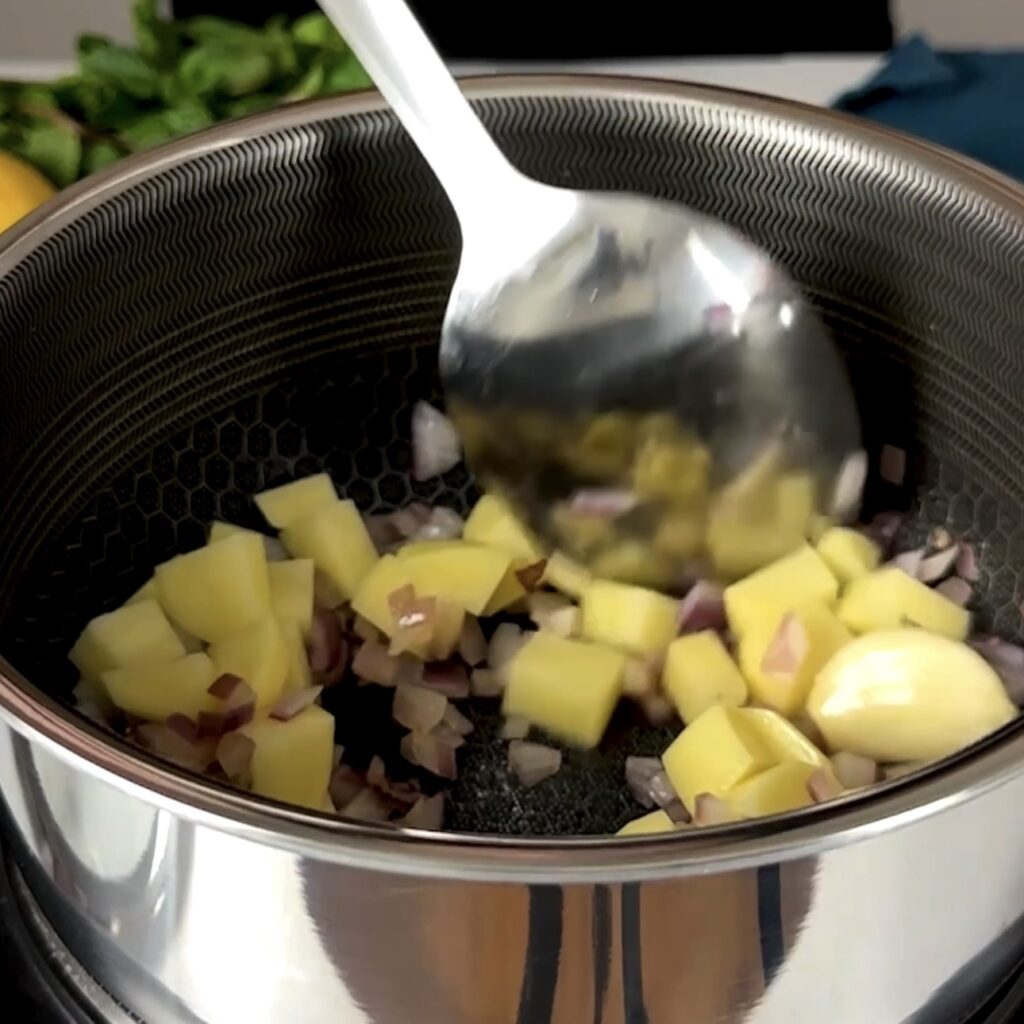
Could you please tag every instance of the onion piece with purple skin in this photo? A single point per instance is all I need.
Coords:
(892, 466)
(967, 564)
(602, 502)
(294, 703)
(367, 805)
(442, 524)
(214, 724)
(957, 590)
(427, 814)
(702, 608)
(324, 646)
(431, 753)
(383, 531)
(234, 755)
(854, 771)
(823, 786)
(345, 785)
(639, 772)
(436, 445)
(939, 565)
(1007, 661)
(447, 677)
(455, 720)
(709, 809)
(908, 561)
(883, 529)
(472, 642)
(514, 727)
(404, 794)
(487, 682)
(225, 685)
(532, 763)
(418, 709)
(410, 519)
(373, 664)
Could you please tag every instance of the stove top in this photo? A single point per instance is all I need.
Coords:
(44, 985)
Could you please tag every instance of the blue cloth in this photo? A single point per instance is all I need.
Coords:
(970, 102)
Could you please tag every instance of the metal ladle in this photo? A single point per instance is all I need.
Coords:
(650, 389)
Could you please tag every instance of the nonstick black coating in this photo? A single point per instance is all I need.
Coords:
(233, 316)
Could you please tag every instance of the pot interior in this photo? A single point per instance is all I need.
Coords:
(264, 302)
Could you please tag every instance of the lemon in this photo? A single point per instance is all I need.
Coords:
(22, 189)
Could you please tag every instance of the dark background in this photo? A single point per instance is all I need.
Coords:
(556, 30)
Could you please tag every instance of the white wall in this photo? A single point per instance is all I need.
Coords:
(964, 23)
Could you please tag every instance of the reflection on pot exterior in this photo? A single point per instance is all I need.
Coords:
(184, 922)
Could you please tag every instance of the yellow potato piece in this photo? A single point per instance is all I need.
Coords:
(509, 591)
(699, 673)
(568, 687)
(889, 598)
(133, 634)
(221, 531)
(258, 653)
(775, 791)
(672, 467)
(493, 524)
(147, 592)
(907, 695)
(801, 578)
(636, 619)
(780, 664)
(334, 536)
(714, 754)
(292, 761)
(680, 534)
(155, 692)
(648, 825)
(218, 589)
(785, 741)
(287, 505)
(371, 601)
(291, 591)
(633, 562)
(566, 575)
(848, 553)
(299, 675)
(468, 574)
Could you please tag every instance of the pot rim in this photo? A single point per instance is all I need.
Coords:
(563, 860)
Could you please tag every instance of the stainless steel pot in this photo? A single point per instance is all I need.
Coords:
(147, 320)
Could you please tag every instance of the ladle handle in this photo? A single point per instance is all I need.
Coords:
(412, 77)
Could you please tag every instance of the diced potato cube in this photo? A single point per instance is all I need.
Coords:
(334, 536)
(648, 825)
(299, 675)
(714, 754)
(785, 741)
(371, 601)
(781, 665)
(292, 761)
(566, 575)
(775, 791)
(757, 602)
(291, 591)
(634, 618)
(671, 466)
(493, 524)
(889, 598)
(568, 687)
(633, 562)
(468, 574)
(907, 695)
(218, 589)
(157, 691)
(848, 553)
(221, 531)
(258, 654)
(680, 534)
(147, 592)
(131, 635)
(699, 673)
(285, 506)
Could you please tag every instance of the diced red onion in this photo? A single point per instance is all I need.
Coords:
(427, 813)
(367, 805)
(662, 791)
(709, 809)
(554, 613)
(787, 649)
(854, 771)
(417, 708)
(1007, 660)
(225, 685)
(506, 641)
(957, 590)
(883, 528)
(822, 786)
(639, 772)
(436, 446)
(531, 576)
(967, 564)
(893, 465)
(849, 485)
(472, 642)
(383, 531)
(447, 677)
(533, 762)
(443, 524)
(374, 664)
(294, 703)
(447, 735)
(364, 629)
(908, 561)
(345, 785)
(325, 592)
(937, 566)
(702, 608)
(514, 727)
(165, 742)
(410, 519)
(214, 724)
(430, 752)
(402, 793)
(184, 727)
(325, 641)
(678, 813)
(234, 754)
(455, 720)
(486, 682)
(657, 708)
(602, 502)
(409, 671)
